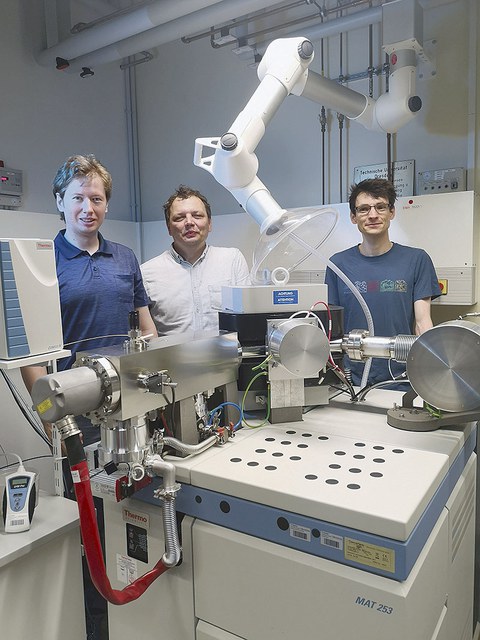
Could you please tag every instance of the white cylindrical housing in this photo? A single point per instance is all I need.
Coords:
(72, 392)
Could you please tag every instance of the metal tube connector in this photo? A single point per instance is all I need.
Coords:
(167, 494)
(67, 427)
(190, 449)
(358, 345)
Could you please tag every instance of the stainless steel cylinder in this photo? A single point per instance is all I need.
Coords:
(300, 346)
(443, 366)
(358, 345)
(123, 440)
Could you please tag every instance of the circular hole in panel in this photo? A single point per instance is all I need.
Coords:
(270, 467)
(252, 464)
(355, 470)
(277, 454)
(290, 432)
(302, 446)
(334, 466)
(378, 460)
(285, 442)
(378, 447)
(306, 435)
(398, 451)
(376, 474)
(295, 458)
(260, 450)
(269, 439)
(282, 523)
(323, 437)
(359, 456)
(339, 453)
(235, 459)
(311, 476)
(331, 481)
(353, 486)
(224, 506)
(359, 444)
(315, 533)
(198, 499)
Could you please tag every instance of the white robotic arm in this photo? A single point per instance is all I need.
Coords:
(283, 71)
(234, 164)
(389, 113)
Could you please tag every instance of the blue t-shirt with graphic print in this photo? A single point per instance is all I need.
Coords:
(390, 284)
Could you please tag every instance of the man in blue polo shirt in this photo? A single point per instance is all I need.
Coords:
(99, 280)
(100, 283)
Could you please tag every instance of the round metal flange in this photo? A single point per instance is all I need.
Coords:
(301, 347)
(443, 366)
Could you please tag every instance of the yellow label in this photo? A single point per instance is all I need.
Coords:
(370, 555)
(443, 286)
(44, 406)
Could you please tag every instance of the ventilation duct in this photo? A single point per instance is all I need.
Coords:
(143, 29)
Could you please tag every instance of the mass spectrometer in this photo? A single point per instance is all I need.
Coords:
(364, 528)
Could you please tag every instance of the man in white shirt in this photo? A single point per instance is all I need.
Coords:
(184, 283)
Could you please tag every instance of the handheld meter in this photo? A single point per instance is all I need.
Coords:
(19, 500)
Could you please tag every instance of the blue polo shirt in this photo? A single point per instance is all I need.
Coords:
(97, 292)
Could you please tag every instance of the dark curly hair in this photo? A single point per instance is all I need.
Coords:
(182, 193)
(376, 187)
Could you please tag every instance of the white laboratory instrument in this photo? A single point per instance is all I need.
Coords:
(333, 528)
(28, 282)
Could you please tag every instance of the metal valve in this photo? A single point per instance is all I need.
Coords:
(155, 382)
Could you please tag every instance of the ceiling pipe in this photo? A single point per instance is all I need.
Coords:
(332, 27)
(347, 22)
(120, 27)
(216, 13)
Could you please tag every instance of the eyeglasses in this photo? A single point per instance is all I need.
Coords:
(364, 209)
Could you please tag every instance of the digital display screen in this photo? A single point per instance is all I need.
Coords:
(4, 178)
(18, 483)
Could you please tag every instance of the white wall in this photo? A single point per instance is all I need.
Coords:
(47, 115)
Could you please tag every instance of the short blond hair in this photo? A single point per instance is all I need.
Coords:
(79, 166)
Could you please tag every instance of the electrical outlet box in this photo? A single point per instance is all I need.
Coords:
(10, 182)
(11, 187)
(441, 180)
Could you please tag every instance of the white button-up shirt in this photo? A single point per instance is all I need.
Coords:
(186, 297)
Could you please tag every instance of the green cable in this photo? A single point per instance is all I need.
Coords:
(255, 426)
(433, 411)
(263, 364)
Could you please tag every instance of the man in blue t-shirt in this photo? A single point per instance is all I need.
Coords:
(397, 282)
(99, 281)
